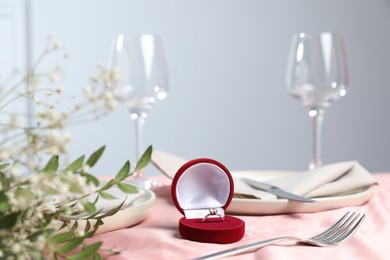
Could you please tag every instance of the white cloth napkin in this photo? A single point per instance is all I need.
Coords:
(329, 180)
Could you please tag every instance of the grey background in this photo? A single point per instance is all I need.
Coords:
(226, 62)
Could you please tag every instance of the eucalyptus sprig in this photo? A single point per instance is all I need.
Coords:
(29, 216)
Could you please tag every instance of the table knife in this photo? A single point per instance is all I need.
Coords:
(275, 190)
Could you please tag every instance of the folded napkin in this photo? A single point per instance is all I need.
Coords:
(329, 180)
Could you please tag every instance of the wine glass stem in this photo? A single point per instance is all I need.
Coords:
(139, 123)
(317, 116)
(139, 120)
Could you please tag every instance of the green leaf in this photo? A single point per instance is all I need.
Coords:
(96, 256)
(33, 237)
(106, 195)
(72, 244)
(25, 193)
(61, 238)
(76, 165)
(95, 156)
(75, 225)
(89, 207)
(98, 223)
(52, 165)
(4, 205)
(96, 199)
(90, 234)
(8, 221)
(123, 173)
(145, 159)
(86, 252)
(5, 165)
(64, 224)
(91, 178)
(127, 188)
(108, 185)
(93, 215)
(87, 226)
(112, 211)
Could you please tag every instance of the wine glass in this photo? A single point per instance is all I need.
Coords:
(139, 78)
(317, 73)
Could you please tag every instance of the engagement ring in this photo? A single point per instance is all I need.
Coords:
(212, 212)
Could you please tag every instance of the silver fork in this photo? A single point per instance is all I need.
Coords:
(333, 236)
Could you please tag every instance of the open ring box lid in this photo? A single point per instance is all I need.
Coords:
(204, 188)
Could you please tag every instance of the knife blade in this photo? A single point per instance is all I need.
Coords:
(276, 191)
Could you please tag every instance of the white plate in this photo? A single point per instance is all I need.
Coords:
(126, 217)
(132, 215)
(282, 206)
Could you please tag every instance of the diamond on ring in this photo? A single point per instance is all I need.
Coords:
(212, 212)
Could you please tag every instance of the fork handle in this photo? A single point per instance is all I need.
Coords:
(241, 249)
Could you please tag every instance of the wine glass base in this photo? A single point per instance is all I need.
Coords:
(313, 165)
(140, 180)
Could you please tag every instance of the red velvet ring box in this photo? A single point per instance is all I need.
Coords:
(202, 189)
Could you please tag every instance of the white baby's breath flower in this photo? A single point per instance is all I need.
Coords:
(53, 150)
(40, 242)
(79, 207)
(16, 248)
(15, 170)
(41, 115)
(35, 179)
(80, 233)
(37, 102)
(64, 189)
(57, 45)
(80, 181)
(4, 155)
(67, 137)
(14, 122)
(49, 208)
(91, 188)
(94, 79)
(64, 114)
(53, 115)
(109, 100)
(88, 92)
(111, 105)
(60, 89)
(86, 168)
(115, 76)
(48, 93)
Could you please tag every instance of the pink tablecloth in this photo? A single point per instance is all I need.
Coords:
(157, 237)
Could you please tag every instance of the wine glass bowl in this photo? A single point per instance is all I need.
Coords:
(317, 74)
(141, 75)
(138, 79)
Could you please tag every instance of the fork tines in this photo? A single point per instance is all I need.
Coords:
(341, 230)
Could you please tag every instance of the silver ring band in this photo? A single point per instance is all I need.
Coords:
(212, 212)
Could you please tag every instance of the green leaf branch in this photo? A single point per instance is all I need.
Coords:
(67, 241)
